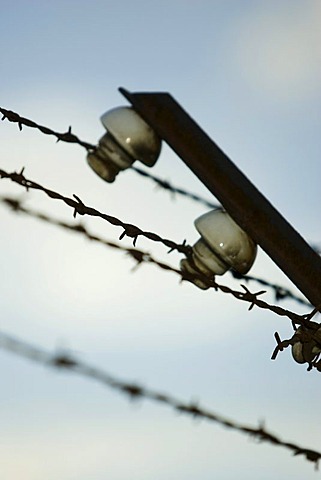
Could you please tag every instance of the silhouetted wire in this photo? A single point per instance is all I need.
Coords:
(166, 185)
(69, 137)
(16, 205)
(306, 346)
(246, 295)
(80, 208)
(132, 231)
(137, 255)
(66, 362)
(280, 293)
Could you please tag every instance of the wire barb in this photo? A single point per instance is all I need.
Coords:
(251, 297)
(280, 293)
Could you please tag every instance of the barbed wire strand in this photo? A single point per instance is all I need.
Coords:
(306, 347)
(17, 206)
(309, 335)
(137, 255)
(69, 137)
(133, 231)
(280, 293)
(166, 185)
(81, 209)
(66, 362)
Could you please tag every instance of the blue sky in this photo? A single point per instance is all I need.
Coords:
(249, 73)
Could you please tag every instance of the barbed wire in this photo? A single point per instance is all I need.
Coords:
(280, 293)
(306, 347)
(137, 255)
(166, 185)
(69, 137)
(245, 295)
(63, 361)
(129, 229)
(17, 206)
(80, 208)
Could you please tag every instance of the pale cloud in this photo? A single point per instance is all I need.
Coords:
(277, 47)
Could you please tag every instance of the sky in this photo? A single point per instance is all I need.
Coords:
(249, 73)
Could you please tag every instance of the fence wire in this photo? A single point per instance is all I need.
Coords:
(17, 206)
(166, 185)
(280, 293)
(69, 137)
(137, 255)
(65, 362)
(133, 231)
(80, 208)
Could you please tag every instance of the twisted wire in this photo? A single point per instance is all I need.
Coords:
(280, 293)
(137, 255)
(245, 295)
(16, 205)
(166, 185)
(68, 136)
(135, 391)
(63, 361)
(80, 208)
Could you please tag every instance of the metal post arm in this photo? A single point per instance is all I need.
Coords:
(241, 199)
